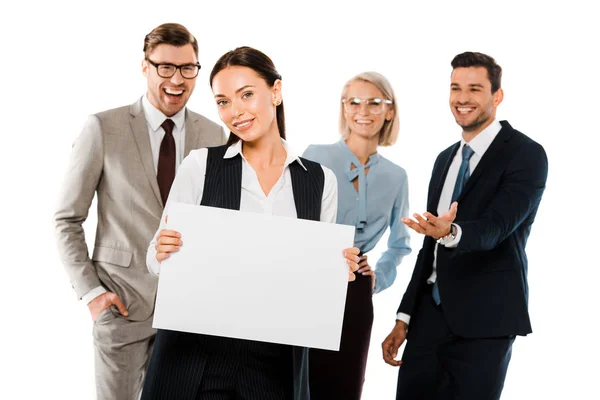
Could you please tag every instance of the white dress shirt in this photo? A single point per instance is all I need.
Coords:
(154, 120)
(188, 187)
(479, 144)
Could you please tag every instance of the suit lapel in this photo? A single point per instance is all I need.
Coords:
(192, 136)
(496, 150)
(439, 178)
(139, 128)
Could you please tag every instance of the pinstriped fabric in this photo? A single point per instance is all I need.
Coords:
(307, 186)
(176, 369)
(201, 367)
(265, 372)
(221, 369)
(223, 180)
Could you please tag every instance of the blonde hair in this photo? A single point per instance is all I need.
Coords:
(390, 129)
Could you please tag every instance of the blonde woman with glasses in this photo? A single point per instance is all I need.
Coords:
(373, 195)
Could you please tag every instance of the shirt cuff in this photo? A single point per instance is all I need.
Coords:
(377, 282)
(92, 294)
(454, 242)
(151, 261)
(403, 317)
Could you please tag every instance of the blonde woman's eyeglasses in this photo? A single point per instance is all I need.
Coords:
(353, 105)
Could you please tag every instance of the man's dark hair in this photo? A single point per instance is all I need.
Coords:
(171, 33)
(474, 59)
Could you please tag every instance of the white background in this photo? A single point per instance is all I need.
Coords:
(61, 62)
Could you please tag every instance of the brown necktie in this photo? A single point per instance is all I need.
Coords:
(166, 161)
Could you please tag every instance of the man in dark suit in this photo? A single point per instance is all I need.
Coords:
(467, 298)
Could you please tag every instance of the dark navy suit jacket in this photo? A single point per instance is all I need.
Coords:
(483, 281)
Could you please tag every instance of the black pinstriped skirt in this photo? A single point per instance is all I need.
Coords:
(186, 366)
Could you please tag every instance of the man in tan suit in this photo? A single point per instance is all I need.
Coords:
(128, 156)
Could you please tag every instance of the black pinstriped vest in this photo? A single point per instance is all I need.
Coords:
(223, 184)
(223, 189)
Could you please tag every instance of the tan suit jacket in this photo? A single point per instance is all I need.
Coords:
(112, 157)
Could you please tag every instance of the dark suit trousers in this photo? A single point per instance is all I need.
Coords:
(439, 365)
(203, 367)
(341, 374)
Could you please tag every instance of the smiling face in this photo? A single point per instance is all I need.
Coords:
(246, 103)
(471, 99)
(363, 123)
(169, 95)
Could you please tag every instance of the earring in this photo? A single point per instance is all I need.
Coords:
(277, 103)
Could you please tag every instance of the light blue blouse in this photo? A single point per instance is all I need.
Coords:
(381, 201)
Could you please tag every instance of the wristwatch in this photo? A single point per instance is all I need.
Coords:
(444, 240)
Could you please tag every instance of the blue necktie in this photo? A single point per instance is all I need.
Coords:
(461, 179)
(463, 172)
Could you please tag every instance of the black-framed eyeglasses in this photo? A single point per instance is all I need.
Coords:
(188, 71)
(375, 105)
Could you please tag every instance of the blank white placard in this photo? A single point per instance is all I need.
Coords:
(254, 276)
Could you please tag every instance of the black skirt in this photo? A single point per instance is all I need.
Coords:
(341, 374)
(186, 366)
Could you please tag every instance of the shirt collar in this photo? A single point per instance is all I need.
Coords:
(373, 158)
(155, 117)
(484, 139)
(292, 156)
